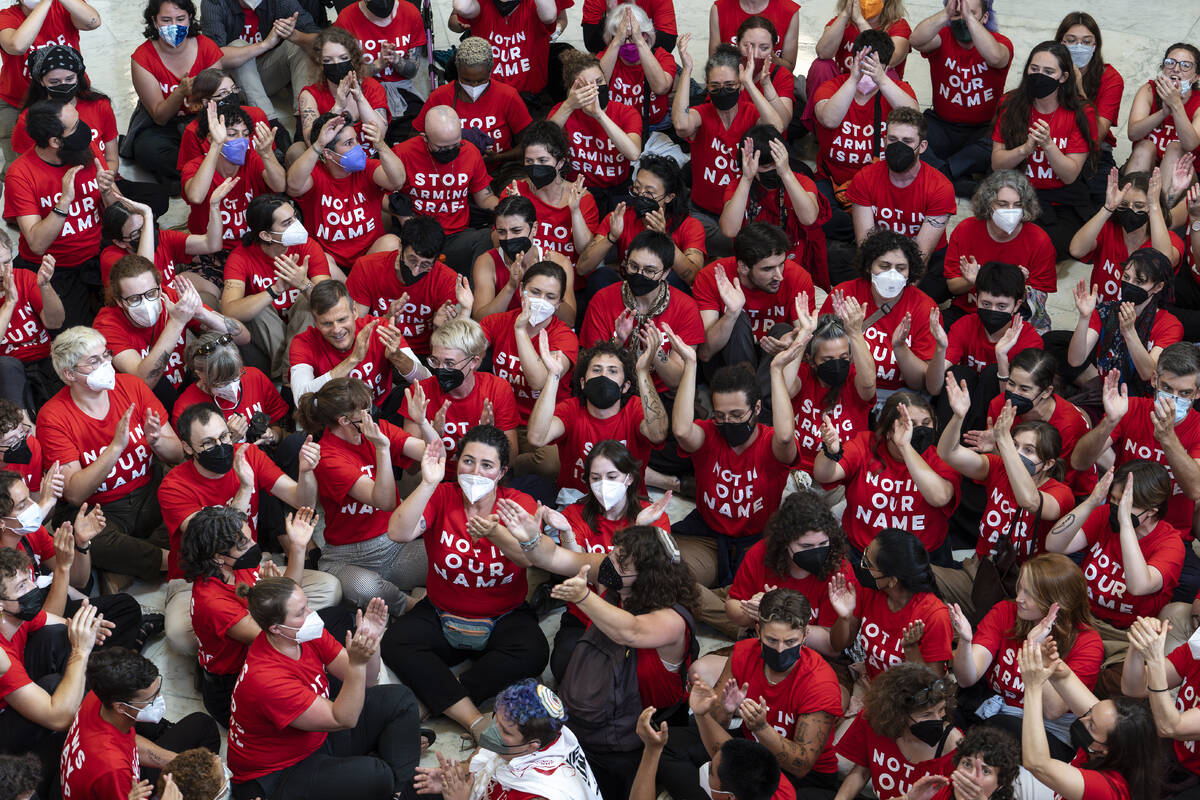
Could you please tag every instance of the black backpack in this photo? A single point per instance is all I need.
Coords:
(600, 689)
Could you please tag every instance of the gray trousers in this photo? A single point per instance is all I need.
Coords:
(377, 567)
(283, 65)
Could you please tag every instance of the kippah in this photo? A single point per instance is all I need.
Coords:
(551, 702)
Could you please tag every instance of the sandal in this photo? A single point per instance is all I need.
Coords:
(428, 737)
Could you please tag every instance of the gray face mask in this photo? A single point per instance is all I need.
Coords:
(490, 739)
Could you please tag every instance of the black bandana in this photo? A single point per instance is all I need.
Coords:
(56, 56)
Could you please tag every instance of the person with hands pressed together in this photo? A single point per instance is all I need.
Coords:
(835, 47)
(1118, 754)
(756, 39)
(716, 129)
(640, 72)
(1051, 601)
(344, 88)
(1163, 118)
(727, 21)
(287, 739)
(29, 310)
(499, 272)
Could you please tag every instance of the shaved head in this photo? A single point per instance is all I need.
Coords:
(443, 128)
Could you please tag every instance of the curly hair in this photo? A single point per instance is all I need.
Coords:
(129, 266)
(522, 703)
(989, 189)
(1016, 108)
(491, 436)
(213, 530)
(10, 416)
(198, 773)
(154, 6)
(903, 690)
(115, 674)
(999, 750)
(785, 606)
(661, 582)
(13, 563)
(801, 513)
(884, 240)
(335, 35)
(624, 461)
(575, 62)
(19, 775)
(604, 348)
(545, 134)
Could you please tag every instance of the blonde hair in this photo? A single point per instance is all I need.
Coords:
(71, 345)
(460, 334)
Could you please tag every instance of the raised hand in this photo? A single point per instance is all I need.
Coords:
(651, 737)
(121, 434)
(362, 341)
(616, 220)
(958, 396)
(84, 628)
(936, 330)
(684, 351)
(1002, 429)
(152, 426)
(925, 787)
(702, 698)
(462, 293)
(1085, 298)
(806, 321)
(750, 158)
(651, 513)
(685, 57)
(1114, 396)
(310, 455)
(902, 430)
(1045, 625)
(416, 401)
(733, 695)
(292, 271)
(830, 439)
(962, 625)
(53, 482)
(68, 186)
(216, 125)
(1005, 343)
(439, 418)
(374, 619)
(433, 462)
(913, 632)
(650, 339)
(482, 526)
(374, 135)
(623, 326)
(64, 547)
(189, 303)
(45, 271)
(264, 140)
(574, 589)
(969, 268)
(754, 713)
(519, 522)
(1035, 669)
(852, 314)
(300, 526)
(900, 335)
(842, 595)
(488, 415)
(1099, 495)
(361, 645)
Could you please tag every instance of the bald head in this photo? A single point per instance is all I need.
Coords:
(443, 128)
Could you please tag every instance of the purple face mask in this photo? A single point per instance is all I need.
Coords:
(628, 53)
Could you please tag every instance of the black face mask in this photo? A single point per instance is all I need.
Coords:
(834, 372)
(62, 91)
(1114, 519)
(1081, 737)
(217, 459)
(506, 7)
(993, 320)
(541, 175)
(641, 205)
(335, 72)
(515, 246)
(1020, 403)
(19, 453)
(865, 578)
(601, 391)
(769, 180)
(1041, 85)
(608, 577)
(640, 285)
(812, 559)
(449, 378)
(381, 8)
(76, 148)
(30, 603)
(407, 276)
(249, 559)
(725, 99)
(135, 241)
(922, 437)
(959, 30)
(737, 434)
(1132, 293)
(602, 95)
(928, 731)
(1129, 219)
(780, 660)
(446, 154)
(899, 156)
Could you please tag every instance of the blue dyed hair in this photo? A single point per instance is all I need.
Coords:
(522, 704)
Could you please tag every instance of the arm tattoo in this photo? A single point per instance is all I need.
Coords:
(652, 405)
(1064, 524)
(939, 221)
(232, 326)
(802, 750)
(160, 366)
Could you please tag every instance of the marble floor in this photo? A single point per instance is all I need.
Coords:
(1133, 43)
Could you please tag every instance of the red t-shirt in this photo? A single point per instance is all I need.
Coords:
(253, 267)
(1099, 784)
(582, 431)
(466, 577)
(184, 491)
(1004, 676)
(882, 494)
(506, 361)
(687, 234)
(1001, 508)
(15, 677)
(1133, 438)
(775, 207)
(96, 114)
(969, 343)
(208, 54)
(593, 154)
(850, 146)
(373, 92)
(879, 336)
(810, 687)
(606, 305)
(347, 520)
(881, 629)
(192, 146)
(251, 33)
(1067, 136)
(26, 338)
(731, 15)
(98, 761)
(170, 249)
(903, 209)
(765, 309)
(848, 413)
(311, 348)
(1108, 99)
(627, 84)
(1165, 133)
(1165, 330)
(716, 153)
(31, 473)
(1103, 567)
(344, 215)
(216, 608)
(1071, 424)
(661, 13)
(966, 89)
(892, 775)
(553, 229)
(520, 44)
(442, 191)
(754, 576)
(123, 335)
(257, 394)
(1031, 249)
(1109, 255)
(33, 187)
(251, 183)
(845, 54)
(58, 28)
(374, 283)
(68, 435)
(499, 113)
(736, 492)
(1186, 662)
(464, 414)
(272, 691)
(404, 32)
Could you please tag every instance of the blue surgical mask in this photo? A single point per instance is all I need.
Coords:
(354, 159)
(173, 34)
(1182, 405)
(235, 150)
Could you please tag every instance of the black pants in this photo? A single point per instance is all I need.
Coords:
(195, 730)
(462, 248)
(343, 766)
(730, 549)
(28, 384)
(156, 150)
(614, 772)
(152, 194)
(840, 226)
(1062, 221)
(20, 735)
(981, 387)
(134, 535)
(679, 767)
(570, 631)
(416, 649)
(77, 286)
(743, 348)
(958, 151)
(1059, 749)
(933, 281)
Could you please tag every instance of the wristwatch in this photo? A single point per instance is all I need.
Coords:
(1195, 226)
(84, 550)
(271, 291)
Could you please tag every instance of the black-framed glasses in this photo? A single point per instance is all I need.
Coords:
(148, 296)
(216, 98)
(209, 444)
(208, 348)
(720, 418)
(645, 193)
(1168, 63)
(634, 268)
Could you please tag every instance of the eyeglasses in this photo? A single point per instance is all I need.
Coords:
(419, 266)
(933, 693)
(15, 435)
(1168, 63)
(721, 418)
(209, 444)
(865, 562)
(646, 193)
(208, 348)
(216, 98)
(447, 364)
(148, 296)
(634, 268)
(95, 361)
